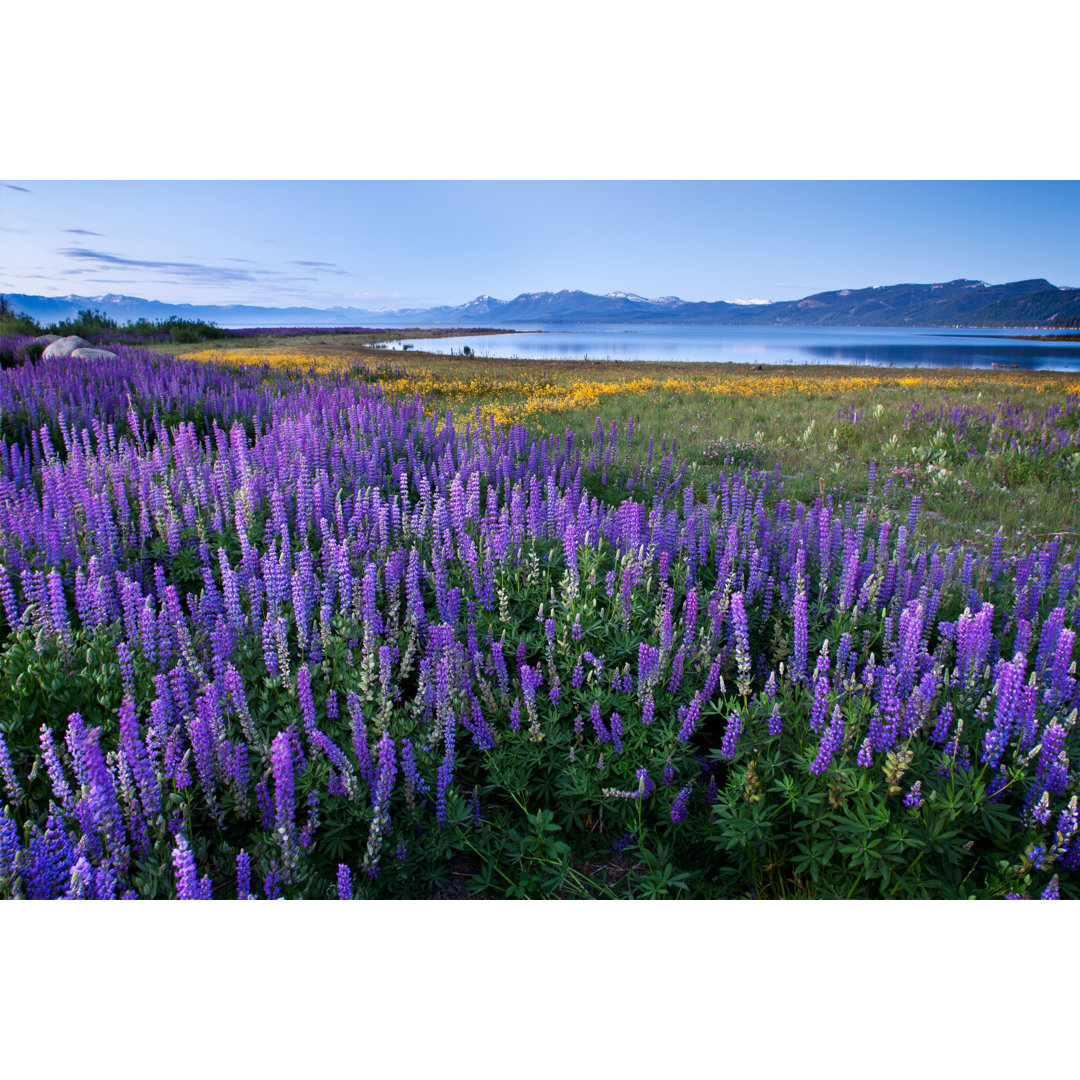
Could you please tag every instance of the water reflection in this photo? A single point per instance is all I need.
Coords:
(980, 356)
(877, 346)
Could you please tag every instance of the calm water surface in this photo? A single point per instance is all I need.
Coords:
(875, 346)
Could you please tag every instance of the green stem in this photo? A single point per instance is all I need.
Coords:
(855, 883)
(909, 869)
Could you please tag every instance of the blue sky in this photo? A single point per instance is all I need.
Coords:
(418, 243)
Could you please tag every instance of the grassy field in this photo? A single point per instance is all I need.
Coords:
(821, 425)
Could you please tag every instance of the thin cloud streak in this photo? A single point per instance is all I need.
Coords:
(313, 264)
(211, 275)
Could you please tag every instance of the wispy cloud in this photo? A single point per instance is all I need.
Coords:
(189, 271)
(83, 232)
(8, 228)
(15, 187)
(322, 267)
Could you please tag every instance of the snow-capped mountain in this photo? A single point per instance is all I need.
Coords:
(963, 302)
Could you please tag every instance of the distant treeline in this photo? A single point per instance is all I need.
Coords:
(97, 326)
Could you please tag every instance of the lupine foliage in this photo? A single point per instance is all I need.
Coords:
(272, 635)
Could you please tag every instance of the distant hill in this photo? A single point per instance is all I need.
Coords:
(48, 309)
(963, 302)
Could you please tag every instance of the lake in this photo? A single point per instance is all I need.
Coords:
(854, 345)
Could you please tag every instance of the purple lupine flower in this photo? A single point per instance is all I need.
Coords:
(81, 885)
(776, 723)
(281, 758)
(1053, 747)
(731, 736)
(127, 668)
(7, 599)
(530, 683)
(105, 883)
(411, 774)
(269, 645)
(337, 758)
(690, 718)
(680, 807)
(677, 662)
(943, 725)
(645, 784)
(201, 734)
(648, 709)
(386, 771)
(865, 757)
(344, 882)
(914, 799)
(831, 742)
(272, 884)
(303, 692)
(577, 676)
(615, 722)
(913, 512)
(11, 782)
(103, 802)
(10, 850)
(312, 822)
(597, 723)
(265, 802)
(1053, 890)
(51, 856)
(137, 757)
(444, 779)
(711, 792)
(188, 885)
(243, 876)
(1040, 812)
(57, 778)
(360, 738)
(58, 607)
(798, 662)
(1061, 682)
(1068, 823)
(741, 633)
(820, 704)
(973, 640)
(1007, 691)
(1023, 637)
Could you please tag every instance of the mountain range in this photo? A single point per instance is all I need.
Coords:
(963, 302)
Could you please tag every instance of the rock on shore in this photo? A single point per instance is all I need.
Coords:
(64, 347)
(92, 354)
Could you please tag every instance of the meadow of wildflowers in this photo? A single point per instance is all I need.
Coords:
(270, 631)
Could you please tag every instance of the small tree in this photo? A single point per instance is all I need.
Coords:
(15, 322)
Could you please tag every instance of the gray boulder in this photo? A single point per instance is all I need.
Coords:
(46, 339)
(63, 347)
(92, 354)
